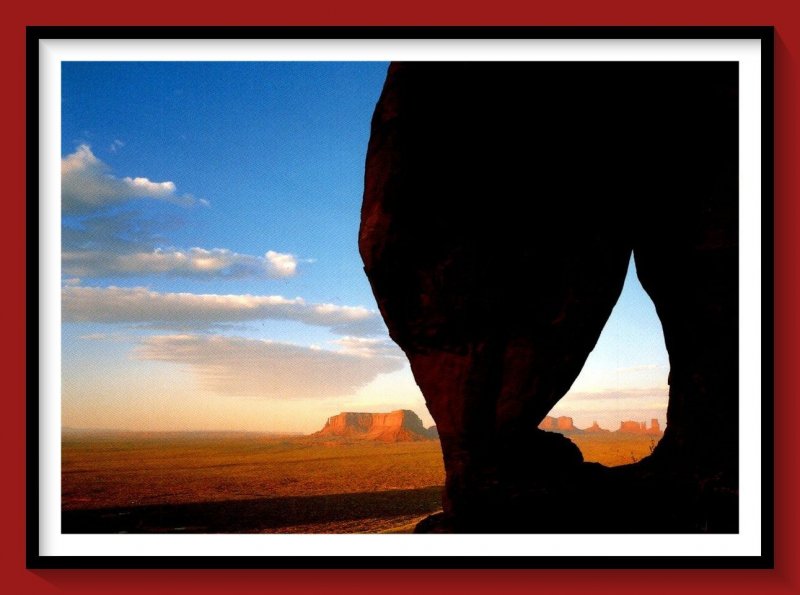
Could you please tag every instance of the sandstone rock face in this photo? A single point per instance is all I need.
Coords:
(565, 424)
(548, 424)
(502, 204)
(398, 426)
(639, 427)
(631, 427)
(558, 424)
(595, 428)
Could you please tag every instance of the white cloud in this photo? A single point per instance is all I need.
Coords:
(117, 144)
(368, 347)
(248, 367)
(281, 265)
(98, 244)
(195, 262)
(87, 184)
(189, 310)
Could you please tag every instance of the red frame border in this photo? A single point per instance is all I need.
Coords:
(784, 579)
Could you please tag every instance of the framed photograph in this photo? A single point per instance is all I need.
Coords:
(445, 297)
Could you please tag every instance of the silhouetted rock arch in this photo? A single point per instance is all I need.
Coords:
(502, 203)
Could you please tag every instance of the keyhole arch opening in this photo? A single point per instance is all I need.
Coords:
(616, 409)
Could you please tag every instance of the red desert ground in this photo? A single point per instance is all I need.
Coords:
(360, 473)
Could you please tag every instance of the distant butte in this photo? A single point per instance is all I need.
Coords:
(558, 424)
(565, 425)
(402, 425)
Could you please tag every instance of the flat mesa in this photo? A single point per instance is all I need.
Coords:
(397, 426)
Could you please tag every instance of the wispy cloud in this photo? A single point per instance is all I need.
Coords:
(619, 394)
(122, 232)
(368, 347)
(116, 337)
(127, 244)
(199, 311)
(195, 262)
(87, 184)
(248, 367)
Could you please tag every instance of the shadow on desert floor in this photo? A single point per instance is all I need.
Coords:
(334, 513)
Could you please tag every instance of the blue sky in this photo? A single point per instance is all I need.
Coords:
(210, 271)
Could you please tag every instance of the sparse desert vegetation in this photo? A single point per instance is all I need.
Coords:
(614, 448)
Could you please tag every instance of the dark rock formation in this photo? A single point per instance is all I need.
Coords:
(398, 426)
(502, 204)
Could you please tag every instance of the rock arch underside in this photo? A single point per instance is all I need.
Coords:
(502, 203)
